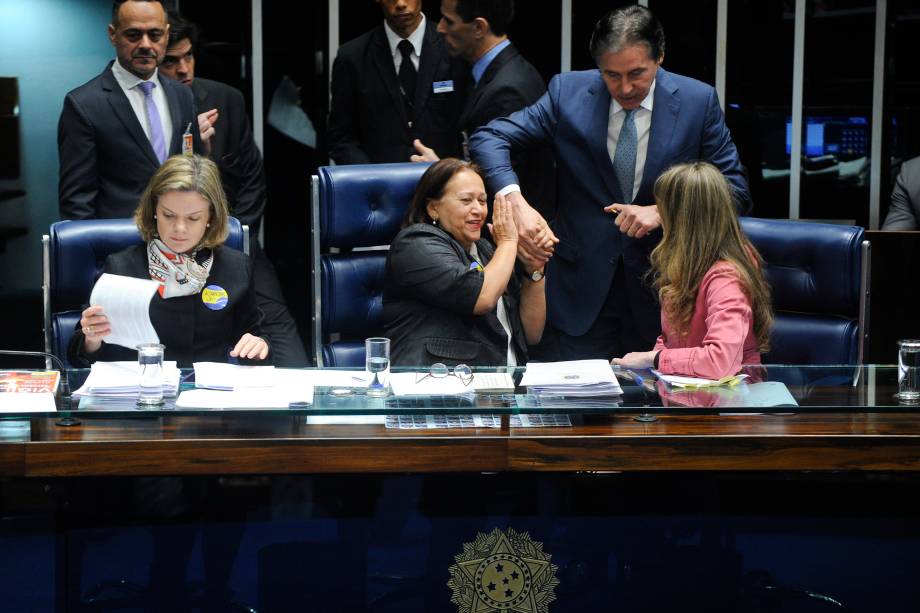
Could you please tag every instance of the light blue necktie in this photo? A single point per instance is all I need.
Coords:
(624, 159)
(153, 120)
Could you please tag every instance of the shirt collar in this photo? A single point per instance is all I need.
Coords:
(129, 80)
(416, 38)
(647, 104)
(479, 68)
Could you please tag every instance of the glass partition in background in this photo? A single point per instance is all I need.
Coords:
(690, 37)
(585, 14)
(837, 111)
(902, 92)
(758, 96)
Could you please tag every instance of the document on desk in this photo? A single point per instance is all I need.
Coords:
(696, 382)
(251, 398)
(27, 402)
(122, 380)
(421, 384)
(126, 302)
(572, 378)
(222, 376)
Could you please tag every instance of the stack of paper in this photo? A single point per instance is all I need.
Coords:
(231, 386)
(573, 378)
(120, 380)
(696, 382)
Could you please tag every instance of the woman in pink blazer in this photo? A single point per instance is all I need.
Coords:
(715, 302)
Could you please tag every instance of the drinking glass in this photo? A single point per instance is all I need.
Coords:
(909, 371)
(150, 360)
(377, 365)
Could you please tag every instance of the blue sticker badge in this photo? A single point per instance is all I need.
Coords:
(214, 297)
(474, 265)
(443, 87)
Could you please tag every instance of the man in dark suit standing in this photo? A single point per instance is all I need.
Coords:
(227, 136)
(614, 131)
(503, 82)
(393, 86)
(116, 130)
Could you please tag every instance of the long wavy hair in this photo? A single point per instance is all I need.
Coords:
(701, 228)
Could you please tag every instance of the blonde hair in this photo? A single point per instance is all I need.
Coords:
(182, 173)
(700, 228)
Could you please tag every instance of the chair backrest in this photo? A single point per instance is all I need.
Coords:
(354, 207)
(73, 253)
(819, 274)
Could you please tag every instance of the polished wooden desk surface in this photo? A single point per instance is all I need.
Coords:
(836, 427)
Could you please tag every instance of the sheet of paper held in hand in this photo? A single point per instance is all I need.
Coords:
(126, 302)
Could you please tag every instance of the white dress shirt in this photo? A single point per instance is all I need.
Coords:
(129, 84)
(643, 121)
(642, 117)
(416, 38)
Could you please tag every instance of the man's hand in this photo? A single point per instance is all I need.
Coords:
(536, 241)
(206, 123)
(424, 153)
(635, 220)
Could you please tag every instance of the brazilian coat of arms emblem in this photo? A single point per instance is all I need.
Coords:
(503, 572)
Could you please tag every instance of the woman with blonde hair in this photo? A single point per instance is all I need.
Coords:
(205, 308)
(715, 302)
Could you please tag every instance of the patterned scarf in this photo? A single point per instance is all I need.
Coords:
(179, 274)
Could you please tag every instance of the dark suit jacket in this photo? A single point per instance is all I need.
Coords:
(428, 297)
(368, 121)
(509, 84)
(905, 198)
(234, 150)
(106, 159)
(190, 331)
(687, 124)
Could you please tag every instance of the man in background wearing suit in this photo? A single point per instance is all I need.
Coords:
(392, 86)
(227, 136)
(905, 198)
(116, 130)
(503, 82)
(614, 130)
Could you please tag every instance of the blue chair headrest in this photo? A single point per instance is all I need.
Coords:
(363, 205)
(812, 267)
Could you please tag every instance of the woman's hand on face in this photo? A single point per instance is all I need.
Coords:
(250, 347)
(502, 227)
(636, 359)
(95, 327)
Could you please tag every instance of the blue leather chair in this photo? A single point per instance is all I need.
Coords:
(73, 253)
(354, 208)
(819, 274)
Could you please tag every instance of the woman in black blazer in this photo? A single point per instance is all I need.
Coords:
(450, 296)
(205, 308)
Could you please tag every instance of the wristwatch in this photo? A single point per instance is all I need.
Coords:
(536, 275)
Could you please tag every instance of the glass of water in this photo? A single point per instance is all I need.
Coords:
(909, 371)
(150, 360)
(377, 365)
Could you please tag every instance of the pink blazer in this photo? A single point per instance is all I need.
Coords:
(721, 336)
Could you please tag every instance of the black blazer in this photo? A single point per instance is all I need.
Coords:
(509, 84)
(368, 121)
(106, 159)
(429, 293)
(234, 150)
(190, 331)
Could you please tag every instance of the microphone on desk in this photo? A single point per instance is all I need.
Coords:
(65, 386)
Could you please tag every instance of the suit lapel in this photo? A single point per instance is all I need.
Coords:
(507, 54)
(122, 109)
(597, 134)
(429, 61)
(172, 97)
(664, 121)
(383, 61)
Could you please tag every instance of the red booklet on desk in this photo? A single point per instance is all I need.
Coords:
(26, 381)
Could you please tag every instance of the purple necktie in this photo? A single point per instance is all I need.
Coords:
(153, 119)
